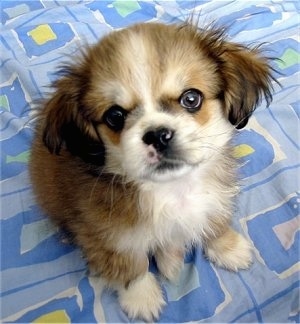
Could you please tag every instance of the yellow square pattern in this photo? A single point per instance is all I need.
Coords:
(42, 34)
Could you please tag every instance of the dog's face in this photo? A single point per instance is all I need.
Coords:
(152, 102)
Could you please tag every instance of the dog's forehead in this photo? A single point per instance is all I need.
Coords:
(153, 62)
(140, 58)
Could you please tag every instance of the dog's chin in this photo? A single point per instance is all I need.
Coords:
(165, 171)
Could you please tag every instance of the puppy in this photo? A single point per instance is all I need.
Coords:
(132, 153)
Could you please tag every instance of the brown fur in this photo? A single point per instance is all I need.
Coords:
(94, 212)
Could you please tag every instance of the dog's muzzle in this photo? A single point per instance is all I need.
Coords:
(161, 150)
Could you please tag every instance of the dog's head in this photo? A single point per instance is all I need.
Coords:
(153, 101)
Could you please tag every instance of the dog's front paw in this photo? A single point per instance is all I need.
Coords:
(170, 262)
(230, 251)
(143, 298)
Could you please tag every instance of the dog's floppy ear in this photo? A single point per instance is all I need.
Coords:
(247, 79)
(57, 113)
(64, 122)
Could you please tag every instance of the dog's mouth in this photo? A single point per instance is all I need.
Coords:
(168, 165)
(166, 169)
(165, 164)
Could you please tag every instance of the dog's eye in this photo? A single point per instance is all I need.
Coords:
(191, 100)
(115, 117)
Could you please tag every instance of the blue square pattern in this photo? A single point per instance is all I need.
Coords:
(205, 293)
(13, 98)
(12, 9)
(42, 39)
(280, 228)
(122, 13)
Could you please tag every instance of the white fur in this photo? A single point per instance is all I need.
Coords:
(143, 298)
(176, 212)
(134, 47)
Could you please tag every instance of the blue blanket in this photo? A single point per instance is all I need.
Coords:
(43, 277)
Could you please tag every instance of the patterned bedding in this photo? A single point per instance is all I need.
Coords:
(43, 277)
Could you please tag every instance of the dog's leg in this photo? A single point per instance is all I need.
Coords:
(140, 295)
(169, 262)
(142, 298)
(230, 250)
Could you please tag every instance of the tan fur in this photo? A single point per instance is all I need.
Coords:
(145, 69)
(229, 251)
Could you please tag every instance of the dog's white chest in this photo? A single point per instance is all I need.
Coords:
(180, 208)
(173, 213)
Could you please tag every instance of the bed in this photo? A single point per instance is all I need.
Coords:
(44, 278)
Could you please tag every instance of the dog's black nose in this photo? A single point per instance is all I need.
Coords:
(159, 138)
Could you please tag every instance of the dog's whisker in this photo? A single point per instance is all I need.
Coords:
(98, 179)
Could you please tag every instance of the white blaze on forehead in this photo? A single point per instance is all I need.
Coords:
(136, 52)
